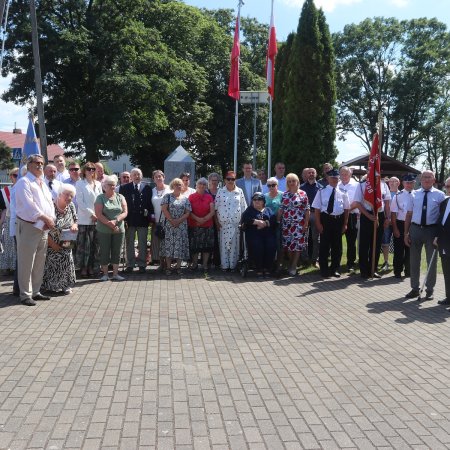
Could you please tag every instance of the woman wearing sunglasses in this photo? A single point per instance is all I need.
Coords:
(87, 190)
(230, 205)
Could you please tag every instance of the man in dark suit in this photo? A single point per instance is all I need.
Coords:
(443, 242)
(248, 184)
(138, 196)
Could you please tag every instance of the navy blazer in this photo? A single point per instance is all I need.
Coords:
(140, 207)
(444, 230)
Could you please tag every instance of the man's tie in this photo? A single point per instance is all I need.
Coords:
(423, 219)
(330, 206)
(50, 184)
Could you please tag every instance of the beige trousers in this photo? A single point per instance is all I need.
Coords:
(31, 253)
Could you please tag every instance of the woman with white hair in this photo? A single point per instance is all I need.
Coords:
(59, 272)
(110, 210)
(200, 222)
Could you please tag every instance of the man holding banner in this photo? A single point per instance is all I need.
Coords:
(372, 198)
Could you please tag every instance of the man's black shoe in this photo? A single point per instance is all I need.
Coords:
(398, 275)
(41, 297)
(28, 302)
(16, 293)
(141, 269)
(444, 302)
(336, 275)
(129, 270)
(414, 293)
(429, 296)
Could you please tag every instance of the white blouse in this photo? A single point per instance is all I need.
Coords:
(157, 197)
(86, 196)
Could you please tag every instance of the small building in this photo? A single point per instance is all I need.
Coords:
(177, 162)
(390, 167)
(16, 139)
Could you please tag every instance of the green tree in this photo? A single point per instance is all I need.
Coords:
(308, 120)
(5, 156)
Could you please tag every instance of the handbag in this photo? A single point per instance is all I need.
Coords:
(160, 232)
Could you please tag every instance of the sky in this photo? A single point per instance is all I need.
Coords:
(287, 12)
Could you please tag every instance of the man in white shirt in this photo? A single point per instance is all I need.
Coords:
(280, 170)
(348, 185)
(50, 180)
(35, 215)
(398, 214)
(60, 164)
(443, 242)
(421, 228)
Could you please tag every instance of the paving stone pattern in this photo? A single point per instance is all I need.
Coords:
(225, 363)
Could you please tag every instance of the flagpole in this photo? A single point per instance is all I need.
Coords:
(270, 64)
(236, 112)
(375, 202)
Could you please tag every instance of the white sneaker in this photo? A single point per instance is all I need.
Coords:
(67, 291)
(118, 278)
(104, 278)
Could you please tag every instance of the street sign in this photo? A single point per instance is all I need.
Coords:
(17, 153)
(254, 97)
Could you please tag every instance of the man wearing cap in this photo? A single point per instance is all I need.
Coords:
(421, 228)
(398, 214)
(348, 185)
(331, 209)
(366, 227)
(443, 242)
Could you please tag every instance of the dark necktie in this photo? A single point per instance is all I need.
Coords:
(330, 206)
(423, 219)
(50, 184)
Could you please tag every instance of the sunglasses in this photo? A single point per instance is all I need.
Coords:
(90, 169)
(14, 175)
(447, 186)
(74, 169)
(271, 185)
(230, 179)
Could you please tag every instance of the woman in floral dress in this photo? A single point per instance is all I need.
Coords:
(59, 272)
(294, 217)
(176, 209)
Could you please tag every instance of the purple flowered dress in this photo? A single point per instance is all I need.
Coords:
(293, 233)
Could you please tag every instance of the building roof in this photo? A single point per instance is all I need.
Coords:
(16, 140)
(389, 166)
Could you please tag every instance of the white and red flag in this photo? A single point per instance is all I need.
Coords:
(372, 193)
(234, 86)
(271, 54)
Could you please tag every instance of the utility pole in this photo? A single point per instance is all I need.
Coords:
(38, 81)
(2, 10)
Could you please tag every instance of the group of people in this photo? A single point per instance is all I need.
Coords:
(58, 220)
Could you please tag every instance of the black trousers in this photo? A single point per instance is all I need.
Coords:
(445, 261)
(350, 236)
(262, 250)
(330, 243)
(366, 243)
(401, 251)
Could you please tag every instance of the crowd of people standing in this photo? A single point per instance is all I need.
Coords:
(58, 220)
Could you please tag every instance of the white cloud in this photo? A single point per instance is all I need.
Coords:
(327, 5)
(399, 3)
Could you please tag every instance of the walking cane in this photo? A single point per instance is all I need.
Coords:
(426, 275)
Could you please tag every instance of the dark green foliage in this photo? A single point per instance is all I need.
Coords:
(6, 161)
(307, 103)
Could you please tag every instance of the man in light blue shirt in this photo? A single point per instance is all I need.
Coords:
(248, 184)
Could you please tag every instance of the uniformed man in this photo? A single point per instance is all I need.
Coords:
(398, 215)
(366, 227)
(421, 229)
(349, 185)
(331, 209)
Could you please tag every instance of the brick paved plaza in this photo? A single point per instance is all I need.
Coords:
(223, 363)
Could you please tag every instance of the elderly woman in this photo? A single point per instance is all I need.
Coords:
(294, 217)
(111, 210)
(213, 187)
(200, 222)
(273, 197)
(8, 257)
(186, 191)
(176, 209)
(259, 225)
(158, 192)
(59, 272)
(88, 189)
(230, 205)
